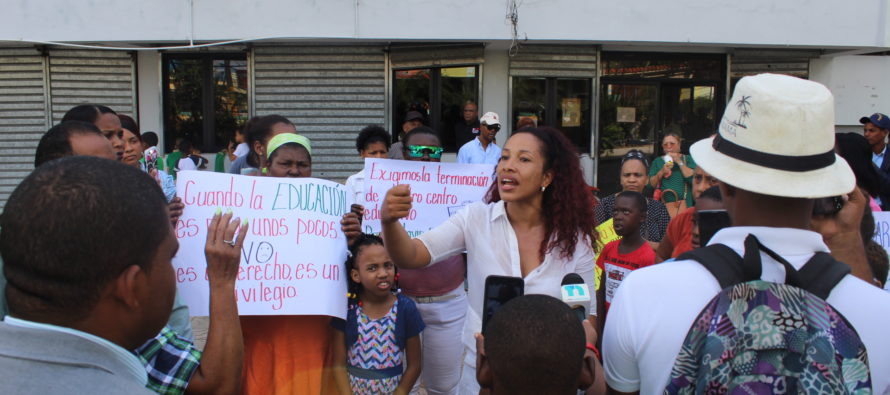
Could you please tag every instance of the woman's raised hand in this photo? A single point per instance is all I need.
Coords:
(396, 204)
(223, 248)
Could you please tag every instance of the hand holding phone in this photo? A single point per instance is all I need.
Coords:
(151, 158)
(498, 291)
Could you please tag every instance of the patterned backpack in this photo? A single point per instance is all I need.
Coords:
(758, 337)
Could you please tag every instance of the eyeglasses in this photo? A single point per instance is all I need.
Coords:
(493, 128)
(417, 151)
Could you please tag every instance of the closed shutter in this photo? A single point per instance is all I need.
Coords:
(95, 77)
(404, 56)
(554, 61)
(746, 62)
(329, 92)
(22, 114)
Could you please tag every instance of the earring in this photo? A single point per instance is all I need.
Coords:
(543, 188)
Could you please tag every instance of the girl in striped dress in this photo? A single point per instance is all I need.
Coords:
(382, 327)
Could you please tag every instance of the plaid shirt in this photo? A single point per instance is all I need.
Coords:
(170, 361)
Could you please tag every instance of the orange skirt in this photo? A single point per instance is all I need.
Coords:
(285, 355)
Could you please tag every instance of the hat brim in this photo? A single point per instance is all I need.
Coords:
(834, 180)
(864, 120)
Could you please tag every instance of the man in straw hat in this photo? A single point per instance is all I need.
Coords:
(773, 154)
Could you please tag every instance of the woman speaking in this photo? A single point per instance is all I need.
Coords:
(536, 223)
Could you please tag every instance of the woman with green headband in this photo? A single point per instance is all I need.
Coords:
(289, 155)
(284, 354)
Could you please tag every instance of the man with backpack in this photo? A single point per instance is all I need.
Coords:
(763, 308)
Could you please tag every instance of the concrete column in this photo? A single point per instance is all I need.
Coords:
(148, 79)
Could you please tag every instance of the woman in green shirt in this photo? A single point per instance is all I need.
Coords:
(677, 176)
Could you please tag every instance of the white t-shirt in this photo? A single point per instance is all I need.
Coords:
(186, 163)
(655, 306)
(355, 184)
(241, 150)
(484, 231)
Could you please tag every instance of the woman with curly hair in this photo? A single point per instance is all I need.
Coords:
(537, 223)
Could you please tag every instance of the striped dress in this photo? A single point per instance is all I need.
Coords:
(375, 350)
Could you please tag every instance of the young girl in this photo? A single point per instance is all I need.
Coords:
(380, 326)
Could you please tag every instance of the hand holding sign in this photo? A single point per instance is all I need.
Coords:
(351, 226)
(223, 250)
(396, 204)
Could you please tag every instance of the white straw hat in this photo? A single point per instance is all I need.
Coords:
(777, 138)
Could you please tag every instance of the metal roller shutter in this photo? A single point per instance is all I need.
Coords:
(97, 77)
(22, 114)
(554, 61)
(426, 55)
(746, 62)
(328, 92)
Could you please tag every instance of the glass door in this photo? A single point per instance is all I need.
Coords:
(629, 121)
(646, 95)
(438, 94)
(205, 99)
(688, 110)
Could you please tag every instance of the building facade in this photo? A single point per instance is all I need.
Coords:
(613, 77)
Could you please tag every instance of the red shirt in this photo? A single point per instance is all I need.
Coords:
(616, 266)
(679, 232)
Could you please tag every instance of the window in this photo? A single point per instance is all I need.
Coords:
(438, 94)
(563, 103)
(205, 99)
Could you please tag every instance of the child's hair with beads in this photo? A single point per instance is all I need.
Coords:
(360, 242)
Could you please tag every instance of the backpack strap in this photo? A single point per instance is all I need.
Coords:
(723, 263)
(818, 276)
(821, 273)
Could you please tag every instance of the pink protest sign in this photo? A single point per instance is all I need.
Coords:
(293, 255)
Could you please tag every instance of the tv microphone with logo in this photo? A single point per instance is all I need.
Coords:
(576, 294)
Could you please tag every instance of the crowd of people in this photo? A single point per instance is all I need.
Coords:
(744, 265)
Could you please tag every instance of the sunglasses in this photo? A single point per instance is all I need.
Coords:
(417, 151)
(493, 128)
(635, 154)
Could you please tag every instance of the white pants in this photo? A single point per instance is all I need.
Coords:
(442, 347)
(468, 383)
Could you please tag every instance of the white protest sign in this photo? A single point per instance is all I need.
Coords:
(439, 190)
(882, 234)
(293, 255)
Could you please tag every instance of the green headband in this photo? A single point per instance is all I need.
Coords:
(285, 138)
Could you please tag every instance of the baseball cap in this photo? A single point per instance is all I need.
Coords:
(880, 120)
(490, 118)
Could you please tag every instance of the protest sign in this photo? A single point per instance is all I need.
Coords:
(882, 234)
(293, 255)
(882, 228)
(438, 190)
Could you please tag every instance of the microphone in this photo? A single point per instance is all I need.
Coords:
(576, 294)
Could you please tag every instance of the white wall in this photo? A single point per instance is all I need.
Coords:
(859, 84)
(151, 116)
(823, 23)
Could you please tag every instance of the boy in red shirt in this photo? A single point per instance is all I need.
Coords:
(623, 256)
